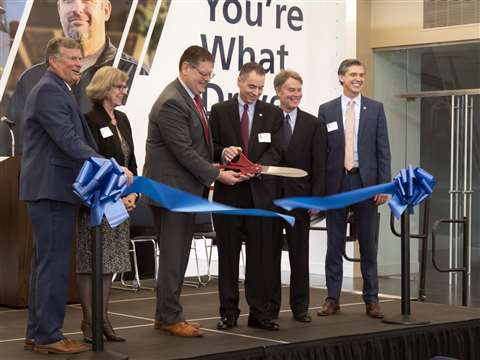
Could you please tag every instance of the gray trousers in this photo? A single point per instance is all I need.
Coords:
(174, 234)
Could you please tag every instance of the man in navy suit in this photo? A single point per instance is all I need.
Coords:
(57, 141)
(358, 155)
(304, 147)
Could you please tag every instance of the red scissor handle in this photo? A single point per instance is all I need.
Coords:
(242, 164)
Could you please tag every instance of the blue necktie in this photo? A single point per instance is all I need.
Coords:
(287, 130)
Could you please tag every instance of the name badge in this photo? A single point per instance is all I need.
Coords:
(264, 138)
(106, 132)
(332, 126)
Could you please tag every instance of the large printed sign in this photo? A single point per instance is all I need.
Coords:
(310, 37)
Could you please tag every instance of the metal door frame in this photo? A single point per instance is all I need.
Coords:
(461, 107)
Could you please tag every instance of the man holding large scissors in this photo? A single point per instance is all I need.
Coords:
(250, 126)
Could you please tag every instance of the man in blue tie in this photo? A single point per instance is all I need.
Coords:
(304, 147)
(358, 155)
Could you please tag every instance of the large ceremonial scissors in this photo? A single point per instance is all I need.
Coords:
(242, 164)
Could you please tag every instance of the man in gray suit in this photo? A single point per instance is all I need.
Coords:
(179, 153)
(358, 155)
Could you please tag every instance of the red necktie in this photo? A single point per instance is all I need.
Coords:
(244, 127)
(200, 109)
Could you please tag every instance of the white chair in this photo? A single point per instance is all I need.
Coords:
(142, 231)
(204, 234)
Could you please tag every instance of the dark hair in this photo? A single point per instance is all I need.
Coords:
(249, 67)
(195, 55)
(345, 64)
(54, 45)
(283, 76)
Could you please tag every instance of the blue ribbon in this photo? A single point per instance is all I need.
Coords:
(181, 201)
(409, 188)
(101, 183)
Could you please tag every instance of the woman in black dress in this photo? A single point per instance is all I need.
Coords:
(113, 134)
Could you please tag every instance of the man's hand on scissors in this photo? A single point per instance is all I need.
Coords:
(229, 153)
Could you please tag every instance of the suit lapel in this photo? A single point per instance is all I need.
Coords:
(339, 116)
(101, 117)
(297, 131)
(186, 97)
(86, 129)
(363, 118)
(190, 103)
(122, 125)
(257, 119)
(235, 120)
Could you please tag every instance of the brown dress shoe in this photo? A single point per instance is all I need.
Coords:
(328, 308)
(373, 310)
(183, 329)
(64, 346)
(28, 344)
(158, 324)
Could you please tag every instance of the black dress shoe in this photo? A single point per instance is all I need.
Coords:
(302, 318)
(274, 315)
(86, 328)
(273, 311)
(263, 324)
(110, 333)
(226, 323)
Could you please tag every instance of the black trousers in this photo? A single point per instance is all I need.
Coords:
(298, 244)
(257, 233)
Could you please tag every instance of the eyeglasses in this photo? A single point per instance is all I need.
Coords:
(121, 87)
(209, 76)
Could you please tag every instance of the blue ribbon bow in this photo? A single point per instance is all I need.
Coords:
(412, 187)
(101, 183)
(408, 189)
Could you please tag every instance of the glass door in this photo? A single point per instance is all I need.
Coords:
(449, 144)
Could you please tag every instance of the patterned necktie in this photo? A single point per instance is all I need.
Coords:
(203, 119)
(349, 135)
(287, 130)
(244, 122)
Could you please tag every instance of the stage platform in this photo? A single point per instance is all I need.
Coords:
(351, 335)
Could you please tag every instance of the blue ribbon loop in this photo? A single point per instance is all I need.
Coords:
(409, 188)
(101, 183)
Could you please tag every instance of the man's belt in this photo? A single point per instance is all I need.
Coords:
(242, 164)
